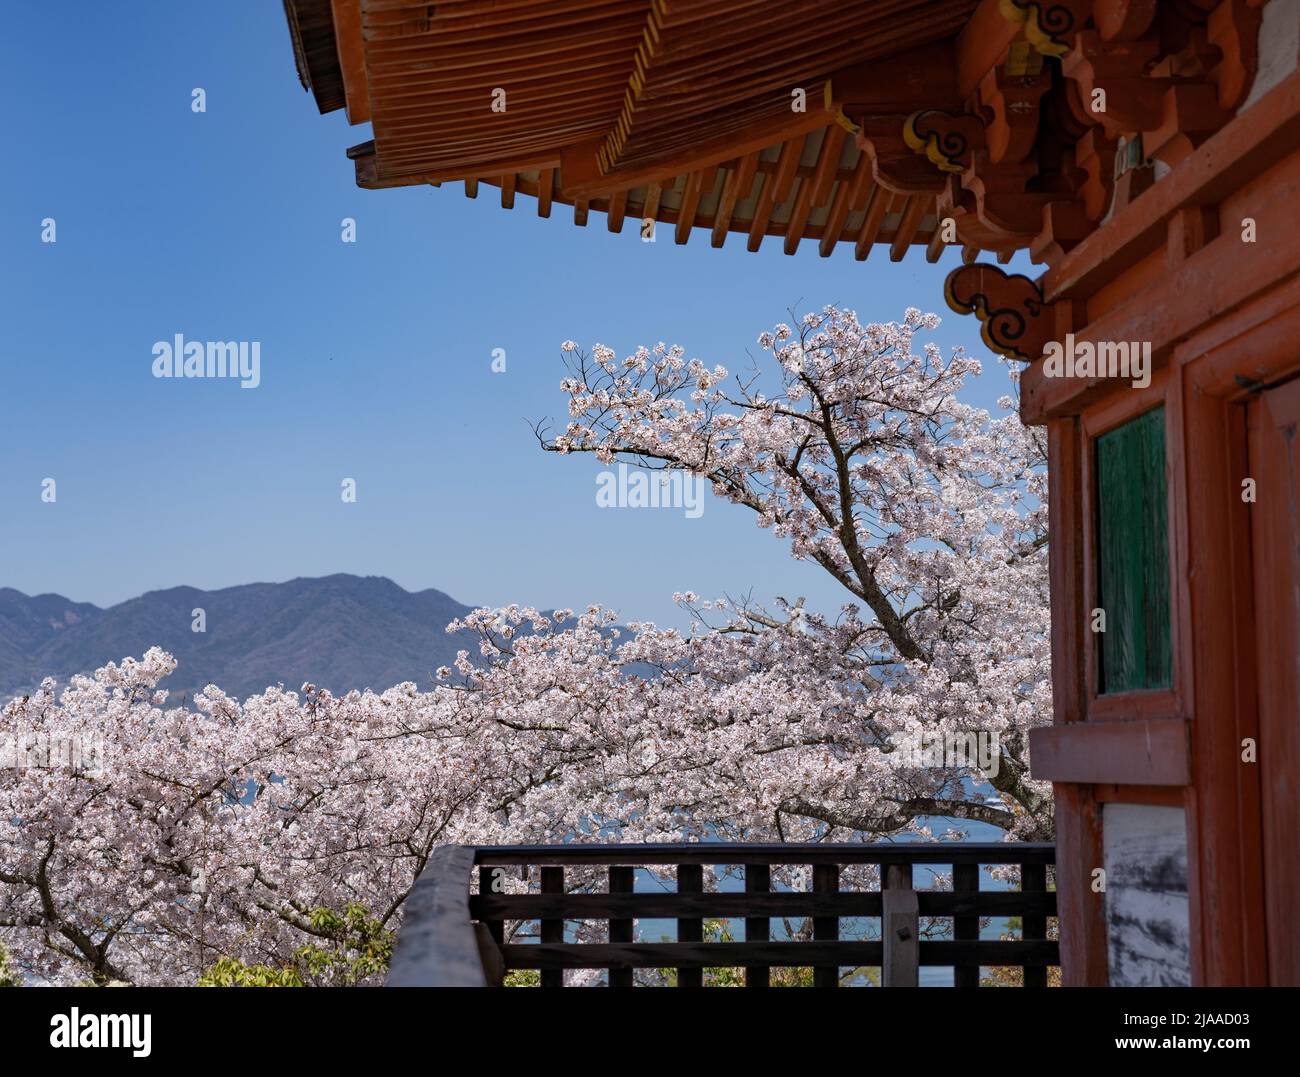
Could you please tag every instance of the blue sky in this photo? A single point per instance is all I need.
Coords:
(375, 355)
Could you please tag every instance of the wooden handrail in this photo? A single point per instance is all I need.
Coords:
(451, 937)
(438, 946)
(724, 852)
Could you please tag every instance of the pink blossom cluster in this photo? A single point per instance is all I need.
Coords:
(215, 829)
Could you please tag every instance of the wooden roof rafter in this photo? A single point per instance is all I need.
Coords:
(774, 192)
(681, 113)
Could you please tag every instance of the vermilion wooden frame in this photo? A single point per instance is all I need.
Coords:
(1224, 802)
(1224, 320)
(1214, 638)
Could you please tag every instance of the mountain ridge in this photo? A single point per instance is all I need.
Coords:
(339, 631)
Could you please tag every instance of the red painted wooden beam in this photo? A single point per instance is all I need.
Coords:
(1149, 751)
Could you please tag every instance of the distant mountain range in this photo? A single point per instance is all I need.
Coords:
(339, 632)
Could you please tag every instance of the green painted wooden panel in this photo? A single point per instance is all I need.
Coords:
(1133, 555)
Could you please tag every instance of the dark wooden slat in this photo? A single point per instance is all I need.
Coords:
(437, 946)
(767, 954)
(552, 930)
(826, 880)
(990, 952)
(966, 877)
(496, 928)
(690, 882)
(1033, 877)
(773, 853)
(758, 880)
(728, 905)
(899, 927)
(688, 955)
(985, 902)
(679, 905)
(621, 930)
(489, 952)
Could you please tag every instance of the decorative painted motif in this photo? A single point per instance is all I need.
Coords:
(1048, 27)
(1014, 320)
(948, 139)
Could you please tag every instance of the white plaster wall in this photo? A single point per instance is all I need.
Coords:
(1279, 47)
(1145, 852)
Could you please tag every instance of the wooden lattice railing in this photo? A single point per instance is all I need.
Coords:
(452, 937)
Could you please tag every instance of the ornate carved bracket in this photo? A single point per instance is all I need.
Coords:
(1027, 158)
(876, 98)
(948, 139)
(894, 165)
(1049, 26)
(1014, 319)
(974, 233)
(1176, 79)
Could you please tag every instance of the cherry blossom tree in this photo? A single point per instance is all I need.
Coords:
(930, 513)
(275, 839)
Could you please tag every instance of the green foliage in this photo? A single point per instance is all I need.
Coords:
(717, 931)
(8, 977)
(352, 948)
(229, 972)
(523, 978)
